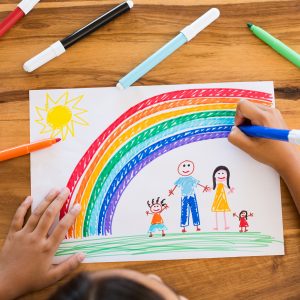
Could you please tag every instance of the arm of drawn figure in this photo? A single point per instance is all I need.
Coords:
(148, 213)
(206, 188)
(235, 215)
(251, 214)
(282, 156)
(27, 254)
(165, 207)
(231, 190)
(171, 191)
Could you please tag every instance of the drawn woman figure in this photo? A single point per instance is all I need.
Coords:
(221, 184)
(157, 223)
(243, 217)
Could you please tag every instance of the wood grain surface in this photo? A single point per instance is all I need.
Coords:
(225, 51)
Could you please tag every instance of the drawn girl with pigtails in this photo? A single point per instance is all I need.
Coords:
(157, 223)
(221, 185)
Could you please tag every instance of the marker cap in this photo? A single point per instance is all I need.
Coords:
(294, 136)
(27, 5)
(42, 58)
(130, 3)
(193, 29)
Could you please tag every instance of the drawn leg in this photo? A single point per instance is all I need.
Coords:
(163, 233)
(184, 213)
(195, 212)
(217, 227)
(150, 235)
(225, 223)
(246, 229)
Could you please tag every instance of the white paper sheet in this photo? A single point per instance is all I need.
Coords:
(121, 149)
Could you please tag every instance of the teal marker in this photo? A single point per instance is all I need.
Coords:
(185, 35)
(277, 45)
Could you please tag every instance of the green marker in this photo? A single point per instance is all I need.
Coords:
(277, 45)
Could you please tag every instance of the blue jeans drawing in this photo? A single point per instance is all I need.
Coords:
(189, 204)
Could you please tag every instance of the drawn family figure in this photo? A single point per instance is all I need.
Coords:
(221, 185)
(243, 218)
(188, 185)
(157, 222)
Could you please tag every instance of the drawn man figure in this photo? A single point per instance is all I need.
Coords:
(188, 185)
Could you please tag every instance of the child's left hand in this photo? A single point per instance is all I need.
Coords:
(231, 190)
(27, 254)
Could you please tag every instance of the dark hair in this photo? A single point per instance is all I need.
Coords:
(157, 201)
(83, 287)
(244, 212)
(218, 169)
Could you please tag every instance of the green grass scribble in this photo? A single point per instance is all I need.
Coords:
(173, 242)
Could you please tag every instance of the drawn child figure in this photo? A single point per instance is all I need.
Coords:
(157, 223)
(221, 184)
(188, 185)
(243, 217)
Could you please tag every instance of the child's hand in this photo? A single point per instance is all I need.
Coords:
(231, 190)
(234, 214)
(171, 192)
(26, 257)
(277, 154)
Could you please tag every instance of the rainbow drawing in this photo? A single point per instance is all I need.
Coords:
(144, 132)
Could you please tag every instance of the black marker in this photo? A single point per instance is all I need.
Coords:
(60, 47)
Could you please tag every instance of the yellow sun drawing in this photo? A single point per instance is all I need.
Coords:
(58, 117)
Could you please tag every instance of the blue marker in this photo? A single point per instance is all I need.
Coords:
(183, 37)
(292, 136)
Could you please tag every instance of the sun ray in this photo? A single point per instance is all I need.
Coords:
(59, 115)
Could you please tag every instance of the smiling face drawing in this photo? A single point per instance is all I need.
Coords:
(243, 214)
(186, 168)
(221, 176)
(156, 208)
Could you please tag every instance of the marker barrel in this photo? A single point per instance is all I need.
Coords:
(152, 61)
(277, 45)
(11, 20)
(95, 24)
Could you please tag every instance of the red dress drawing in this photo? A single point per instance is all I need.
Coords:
(243, 222)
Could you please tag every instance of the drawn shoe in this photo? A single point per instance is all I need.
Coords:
(150, 235)
(183, 230)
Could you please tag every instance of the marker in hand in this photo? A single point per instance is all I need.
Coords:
(23, 8)
(60, 47)
(292, 136)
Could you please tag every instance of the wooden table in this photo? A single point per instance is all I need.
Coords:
(226, 51)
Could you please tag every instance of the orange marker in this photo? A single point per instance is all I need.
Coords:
(27, 148)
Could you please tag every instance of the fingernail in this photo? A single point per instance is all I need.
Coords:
(76, 208)
(81, 257)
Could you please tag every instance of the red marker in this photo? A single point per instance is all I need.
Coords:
(23, 8)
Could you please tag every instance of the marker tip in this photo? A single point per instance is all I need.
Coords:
(249, 25)
(58, 140)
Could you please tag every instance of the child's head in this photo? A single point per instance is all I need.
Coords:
(156, 206)
(186, 168)
(221, 174)
(243, 214)
(113, 285)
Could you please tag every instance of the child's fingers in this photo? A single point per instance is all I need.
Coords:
(18, 220)
(66, 267)
(248, 110)
(239, 139)
(38, 212)
(48, 217)
(62, 227)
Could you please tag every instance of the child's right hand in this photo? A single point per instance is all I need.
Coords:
(277, 154)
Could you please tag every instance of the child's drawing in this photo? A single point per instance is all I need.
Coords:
(59, 116)
(157, 223)
(243, 217)
(221, 176)
(127, 154)
(188, 185)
